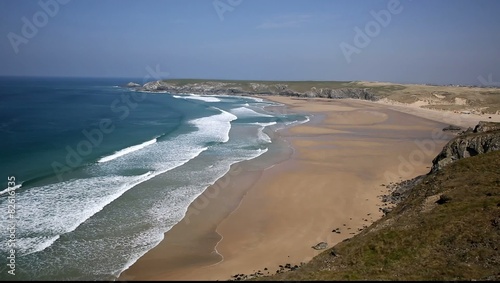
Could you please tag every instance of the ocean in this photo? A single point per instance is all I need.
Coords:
(99, 172)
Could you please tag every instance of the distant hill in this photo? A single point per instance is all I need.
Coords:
(465, 99)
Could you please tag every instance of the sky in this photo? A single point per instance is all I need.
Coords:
(405, 41)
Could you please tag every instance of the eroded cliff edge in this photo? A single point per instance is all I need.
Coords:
(301, 89)
(483, 139)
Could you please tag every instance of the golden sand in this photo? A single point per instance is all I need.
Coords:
(331, 178)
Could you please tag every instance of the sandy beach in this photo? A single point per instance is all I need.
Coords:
(331, 176)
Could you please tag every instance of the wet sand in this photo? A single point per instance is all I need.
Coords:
(331, 176)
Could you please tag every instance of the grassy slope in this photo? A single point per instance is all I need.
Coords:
(422, 240)
(486, 100)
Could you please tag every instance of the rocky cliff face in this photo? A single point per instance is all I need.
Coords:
(342, 93)
(217, 88)
(483, 139)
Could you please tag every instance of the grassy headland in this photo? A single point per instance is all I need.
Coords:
(452, 98)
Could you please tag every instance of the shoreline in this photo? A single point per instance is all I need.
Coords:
(211, 242)
(220, 201)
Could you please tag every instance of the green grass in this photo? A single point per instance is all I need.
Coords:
(299, 86)
(457, 240)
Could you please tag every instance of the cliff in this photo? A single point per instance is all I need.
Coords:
(483, 139)
(261, 88)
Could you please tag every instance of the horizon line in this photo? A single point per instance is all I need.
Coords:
(234, 80)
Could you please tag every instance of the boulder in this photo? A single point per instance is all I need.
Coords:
(320, 246)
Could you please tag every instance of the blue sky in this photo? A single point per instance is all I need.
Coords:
(428, 41)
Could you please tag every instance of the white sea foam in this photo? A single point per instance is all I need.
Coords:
(60, 208)
(126, 151)
(29, 245)
(247, 112)
(298, 122)
(261, 151)
(10, 189)
(199, 97)
(256, 99)
(265, 124)
(263, 136)
(215, 128)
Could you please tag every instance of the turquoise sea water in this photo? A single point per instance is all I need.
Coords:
(102, 172)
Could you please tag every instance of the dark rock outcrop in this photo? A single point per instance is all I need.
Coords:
(452, 128)
(484, 138)
(357, 93)
(483, 127)
(468, 131)
(399, 192)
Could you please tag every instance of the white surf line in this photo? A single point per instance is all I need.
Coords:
(126, 151)
(113, 197)
(43, 245)
(18, 186)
